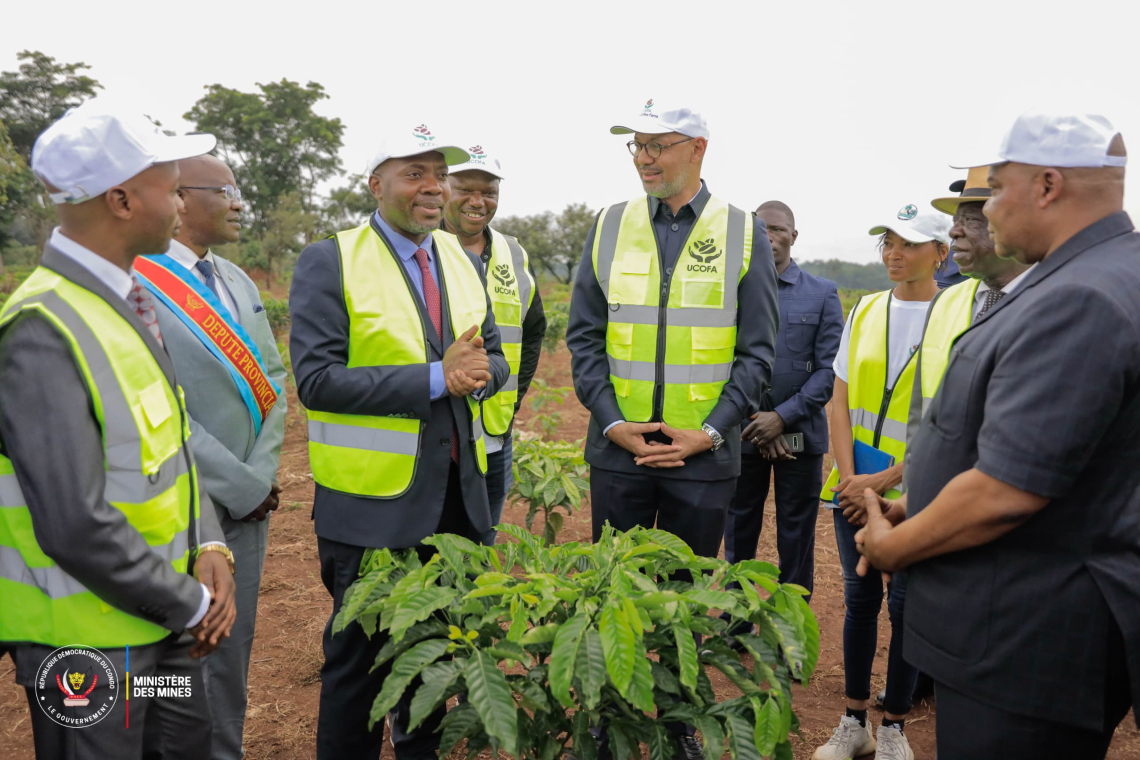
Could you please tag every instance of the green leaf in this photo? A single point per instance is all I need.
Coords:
(488, 690)
(585, 746)
(618, 645)
(669, 541)
(664, 679)
(358, 595)
(415, 634)
(457, 725)
(769, 721)
(591, 668)
(531, 695)
(713, 736)
(571, 490)
(641, 683)
(721, 600)
(621, 745)
(563, 656)
(735, 672)
(418, 607)
(407, 667)
(540, 634)
(661, 744)
(687, 657)
(505, 649)
(439, 679)
(741, 741)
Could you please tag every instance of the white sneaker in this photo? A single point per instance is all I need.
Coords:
(893, 745)
(849, 740)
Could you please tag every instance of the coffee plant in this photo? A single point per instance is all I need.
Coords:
(549, 475)
(557, 317)
(547, 641)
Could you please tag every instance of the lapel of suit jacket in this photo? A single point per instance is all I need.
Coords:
(67, 267)
(1095, 234)
(245, 309)
(425, 318)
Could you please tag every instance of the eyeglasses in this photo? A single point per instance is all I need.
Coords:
(654, 148)
(231, 192)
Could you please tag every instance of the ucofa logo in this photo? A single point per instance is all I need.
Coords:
(423, 134)
(704, 252)
(502, 273)
(477, 155)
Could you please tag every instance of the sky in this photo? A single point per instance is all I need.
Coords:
(846, 111)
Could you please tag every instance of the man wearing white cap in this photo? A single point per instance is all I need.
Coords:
(393, 344)
(511, 285)
(1021, 539)
(672, 333)
(105, 538)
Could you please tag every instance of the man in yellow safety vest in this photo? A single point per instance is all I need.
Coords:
(664, 353)
(513, 290)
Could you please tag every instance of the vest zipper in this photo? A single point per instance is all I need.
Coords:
(887, 393)
(659, 369)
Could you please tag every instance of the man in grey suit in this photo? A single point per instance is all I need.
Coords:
(1022, 542)
(356, 297)
(237, 464)
(94, 458)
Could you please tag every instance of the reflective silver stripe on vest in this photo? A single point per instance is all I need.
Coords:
(368, 439)
(135, 488)
(10, 493)
(675, 374)
(510, 334)
(512, 384)
(524, 282)
(122, 444)
(867, 419)
(607, 246)
(55, 582)
(639, 314)
(477, 428)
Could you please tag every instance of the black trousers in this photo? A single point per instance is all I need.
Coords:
(971, 730)
(694, 510)
(798, 483)
(162, 728)
(347, 688)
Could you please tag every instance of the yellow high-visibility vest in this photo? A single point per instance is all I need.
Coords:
(376, 456)
(878, 415)
(150, 474)
(676, 333)
(511, 289)
(950, 316)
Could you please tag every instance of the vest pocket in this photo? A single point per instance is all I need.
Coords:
(711, 355)
(619, 345)
(708, 294)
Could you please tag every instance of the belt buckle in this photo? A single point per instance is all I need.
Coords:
(809, 365)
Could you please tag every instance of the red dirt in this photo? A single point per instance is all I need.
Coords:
(284, 674)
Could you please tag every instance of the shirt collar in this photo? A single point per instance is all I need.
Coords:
(113, 277)
(1009, 286)
(791, 275)
(183, 255)
(696, 203)
(403, 247)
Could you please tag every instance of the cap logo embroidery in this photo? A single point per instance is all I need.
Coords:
(423, 133)
(649, 104)
(908, 212)
(477, 155)
(648, 110)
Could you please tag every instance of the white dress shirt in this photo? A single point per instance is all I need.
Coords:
(980, 294)
(189, 259)
(120, 282)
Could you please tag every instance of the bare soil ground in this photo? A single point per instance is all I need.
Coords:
(284, 675)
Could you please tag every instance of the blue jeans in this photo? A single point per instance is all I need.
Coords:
(864, 599)
(500, 478)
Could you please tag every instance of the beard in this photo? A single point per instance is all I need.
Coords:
(672, 187)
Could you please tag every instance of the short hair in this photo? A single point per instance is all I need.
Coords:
(778, 206)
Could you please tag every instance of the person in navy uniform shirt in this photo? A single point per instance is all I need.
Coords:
(811, 324)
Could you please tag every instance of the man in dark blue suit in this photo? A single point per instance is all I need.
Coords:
(811, 324)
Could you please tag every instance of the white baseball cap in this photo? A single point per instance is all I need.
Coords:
(412, 142)
(654, 119)
(1063, 140)
(917, 227)
(480, 160)
(99, 145)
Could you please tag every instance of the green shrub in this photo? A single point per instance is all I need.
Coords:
(556, 318)
(277, 310)
(590, 635)
(548, 474)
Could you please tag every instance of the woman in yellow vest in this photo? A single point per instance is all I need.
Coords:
(874, 376)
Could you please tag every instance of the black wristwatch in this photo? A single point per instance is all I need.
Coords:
(716, 437)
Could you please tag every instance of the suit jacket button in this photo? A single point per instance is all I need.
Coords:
(803, 319)
(444, 441)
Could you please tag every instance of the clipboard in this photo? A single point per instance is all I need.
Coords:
(868, 460)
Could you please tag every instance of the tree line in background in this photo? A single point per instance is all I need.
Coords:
(281, 152)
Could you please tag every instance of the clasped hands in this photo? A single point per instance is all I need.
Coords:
(212, 570)
(765, 433)
(881, 517)
(631, 437)
(466, 367)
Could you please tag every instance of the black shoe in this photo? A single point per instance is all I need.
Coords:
(691, 748)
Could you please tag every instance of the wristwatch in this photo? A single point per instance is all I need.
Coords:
(717, 439)
(223, 550)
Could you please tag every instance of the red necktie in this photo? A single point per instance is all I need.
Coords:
(431, 300)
